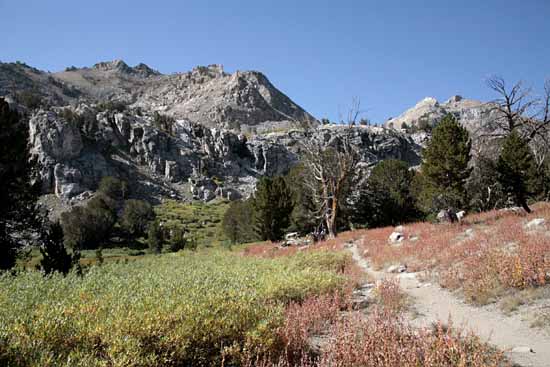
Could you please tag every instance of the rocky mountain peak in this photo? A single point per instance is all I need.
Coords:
(145, 70)
(117, 65)
(428, 112)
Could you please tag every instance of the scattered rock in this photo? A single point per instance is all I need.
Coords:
(291, 236)
(447, 216)
(535, 224)
(522, 349)
(396, 237)
(397, 269)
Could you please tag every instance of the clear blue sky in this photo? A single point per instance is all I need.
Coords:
(388, 53)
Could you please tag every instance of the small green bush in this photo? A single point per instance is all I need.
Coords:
(113, 187)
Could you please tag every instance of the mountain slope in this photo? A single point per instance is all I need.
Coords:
(244, 100)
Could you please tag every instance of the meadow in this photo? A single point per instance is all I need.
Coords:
(169, 310)
(201, 220)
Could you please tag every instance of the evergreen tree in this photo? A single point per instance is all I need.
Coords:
(155, 237)
(113, 187)
(445, 165)
(236, 222)
(272, 208)
(388, 199)
(88, 227)
(54, 254)
(17, 195)
(302, 218)
(136, 216)
(515, 167)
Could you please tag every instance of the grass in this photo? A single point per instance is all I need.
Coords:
(168, 310)
(88, 257)
(218, 307)
(201, 220)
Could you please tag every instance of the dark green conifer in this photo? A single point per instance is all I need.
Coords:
(445, 165)
(273, 206)
(515, 167)
(17, 195)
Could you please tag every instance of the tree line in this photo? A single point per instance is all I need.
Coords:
(324, 194)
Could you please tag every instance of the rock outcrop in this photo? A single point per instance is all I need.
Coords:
(196, 135)
(77, 148)
(428, 112)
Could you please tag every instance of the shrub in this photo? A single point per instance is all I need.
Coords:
(155, 237)
(88, 227)
(189, 309)
(386, 340)
(113, 187)
(136, 216)
(54, 254)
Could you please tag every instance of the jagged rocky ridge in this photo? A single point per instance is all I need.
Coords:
(243, 101)
(428, 112)
(219, 144)
(192, 162)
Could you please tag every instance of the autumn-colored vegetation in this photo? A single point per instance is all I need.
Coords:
(484, 255)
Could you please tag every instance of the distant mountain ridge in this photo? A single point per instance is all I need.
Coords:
(244, 100)
(428, 112)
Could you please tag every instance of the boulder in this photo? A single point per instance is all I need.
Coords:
(397, 269)
(395, 238)
(535, 224)
(447, 216)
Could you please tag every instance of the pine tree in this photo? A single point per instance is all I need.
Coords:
(17, 195)
(236, 222)
(445, 165)
(54, 254)
(155, 237)
(387, 199)
(515, 167)
(272, 208)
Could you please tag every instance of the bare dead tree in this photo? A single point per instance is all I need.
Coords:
(518, 109)
(330, 171)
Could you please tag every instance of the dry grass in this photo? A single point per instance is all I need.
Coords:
(389, 296)
(497, 256)
(382, 338)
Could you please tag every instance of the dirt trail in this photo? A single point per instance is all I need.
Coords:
(527, 347)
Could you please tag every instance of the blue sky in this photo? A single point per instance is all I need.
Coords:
(388, 53)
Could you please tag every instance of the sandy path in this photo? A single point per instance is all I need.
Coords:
(526, 346)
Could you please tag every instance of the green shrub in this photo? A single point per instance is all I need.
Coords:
(90, 226)
(155, 237)
(136, 216)
(189, 309)
(113, 187)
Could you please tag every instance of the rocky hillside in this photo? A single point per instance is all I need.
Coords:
(78, 146)
(428, 112)
(198, 135)
(243, 101)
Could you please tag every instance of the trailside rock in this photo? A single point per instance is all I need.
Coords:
(446, 216)
(535, 224)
